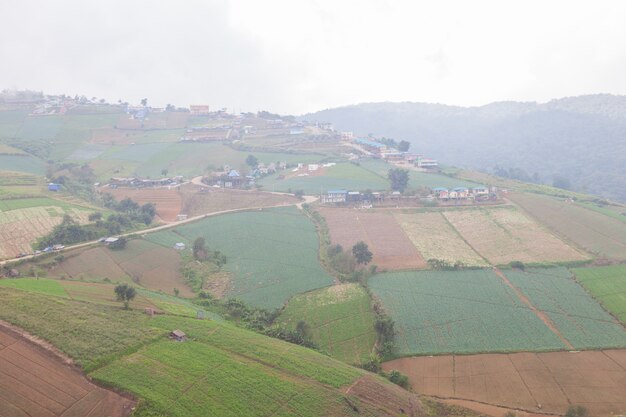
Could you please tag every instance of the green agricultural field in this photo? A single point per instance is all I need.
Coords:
(340, 318)
(608, 285)
(22, 163)
(10, 122)
(22, 203)
(40, 127)
(272, 254)
(89, 333)
(42, 286)
(577, 316)
(468, 311)
(344, 176)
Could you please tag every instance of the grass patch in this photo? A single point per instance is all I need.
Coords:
(42, 286)
(608, 285)
(341, 320)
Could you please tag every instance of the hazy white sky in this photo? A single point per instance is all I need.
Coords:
(296, 56)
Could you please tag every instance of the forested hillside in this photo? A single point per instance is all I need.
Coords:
(577, 142)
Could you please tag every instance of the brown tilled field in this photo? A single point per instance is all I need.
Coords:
(535, 382)
(34, 382)
(151, 266)
(502, 235)
(168, 202)
(391, 247)
(197, 202)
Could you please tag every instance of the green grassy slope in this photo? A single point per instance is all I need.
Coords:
(340, 318)
(222, 370)
(608, 285)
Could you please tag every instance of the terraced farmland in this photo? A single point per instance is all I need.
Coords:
(435, 238)
(595, 232)
(29, 219)
(608, 285)
(272, 254)
(340, 318)
(502, 235)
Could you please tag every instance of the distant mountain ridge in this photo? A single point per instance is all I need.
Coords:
(580, 139)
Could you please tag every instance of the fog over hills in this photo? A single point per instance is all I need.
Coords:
(576, 140)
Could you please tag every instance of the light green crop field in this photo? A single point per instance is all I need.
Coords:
(206, 375)
(340, 318)
(22, 203)
(608, 285)
(89, 333)
(578, 317)
(43, 286)
(272, 254)
(345, 176)
(22, 163)
(468, 311)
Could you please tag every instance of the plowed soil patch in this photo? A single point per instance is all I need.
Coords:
(34, 382)
(535, 382)
(168, 202)
(391, 247)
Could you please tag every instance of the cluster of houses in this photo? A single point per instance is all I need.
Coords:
(232, 178)
(478, 193)
(383, 151)
(145, 182)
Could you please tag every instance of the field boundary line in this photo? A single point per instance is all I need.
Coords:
(449, 223)
(522, 379)
(540, 314)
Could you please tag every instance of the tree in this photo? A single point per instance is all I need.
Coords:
(252, 161)
(399, 179)
(164, 172)
(170, 107)
(362, 253)
(94, 217)
(199, 249)
(576, 411)
(397, 378)
(303, 329)
(144, 102)
(404, 146)
(125, 293)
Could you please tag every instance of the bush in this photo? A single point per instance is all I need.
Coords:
(576, 411)
(399, 379)
(119, 244)
(517, 265)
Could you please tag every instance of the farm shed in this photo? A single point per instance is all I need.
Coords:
(54, 187)
(441, 192)
(179, 246)
(178, 335)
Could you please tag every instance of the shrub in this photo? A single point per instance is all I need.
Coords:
(399, 379)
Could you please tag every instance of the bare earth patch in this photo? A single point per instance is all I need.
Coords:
(535, 382)
(391, 247)
(36, 382)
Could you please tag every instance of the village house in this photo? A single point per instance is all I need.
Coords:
(347, 136)
(334, 196)
(178, 335)
(426, 163)
(372, 146)
(198, 109)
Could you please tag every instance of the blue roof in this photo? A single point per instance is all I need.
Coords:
(440, 189)
(370, 143)
(460, 189)
(234, 173)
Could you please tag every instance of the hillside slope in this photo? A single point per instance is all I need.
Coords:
(581, 139)
(221, 370)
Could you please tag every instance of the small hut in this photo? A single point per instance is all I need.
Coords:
(178, 335)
